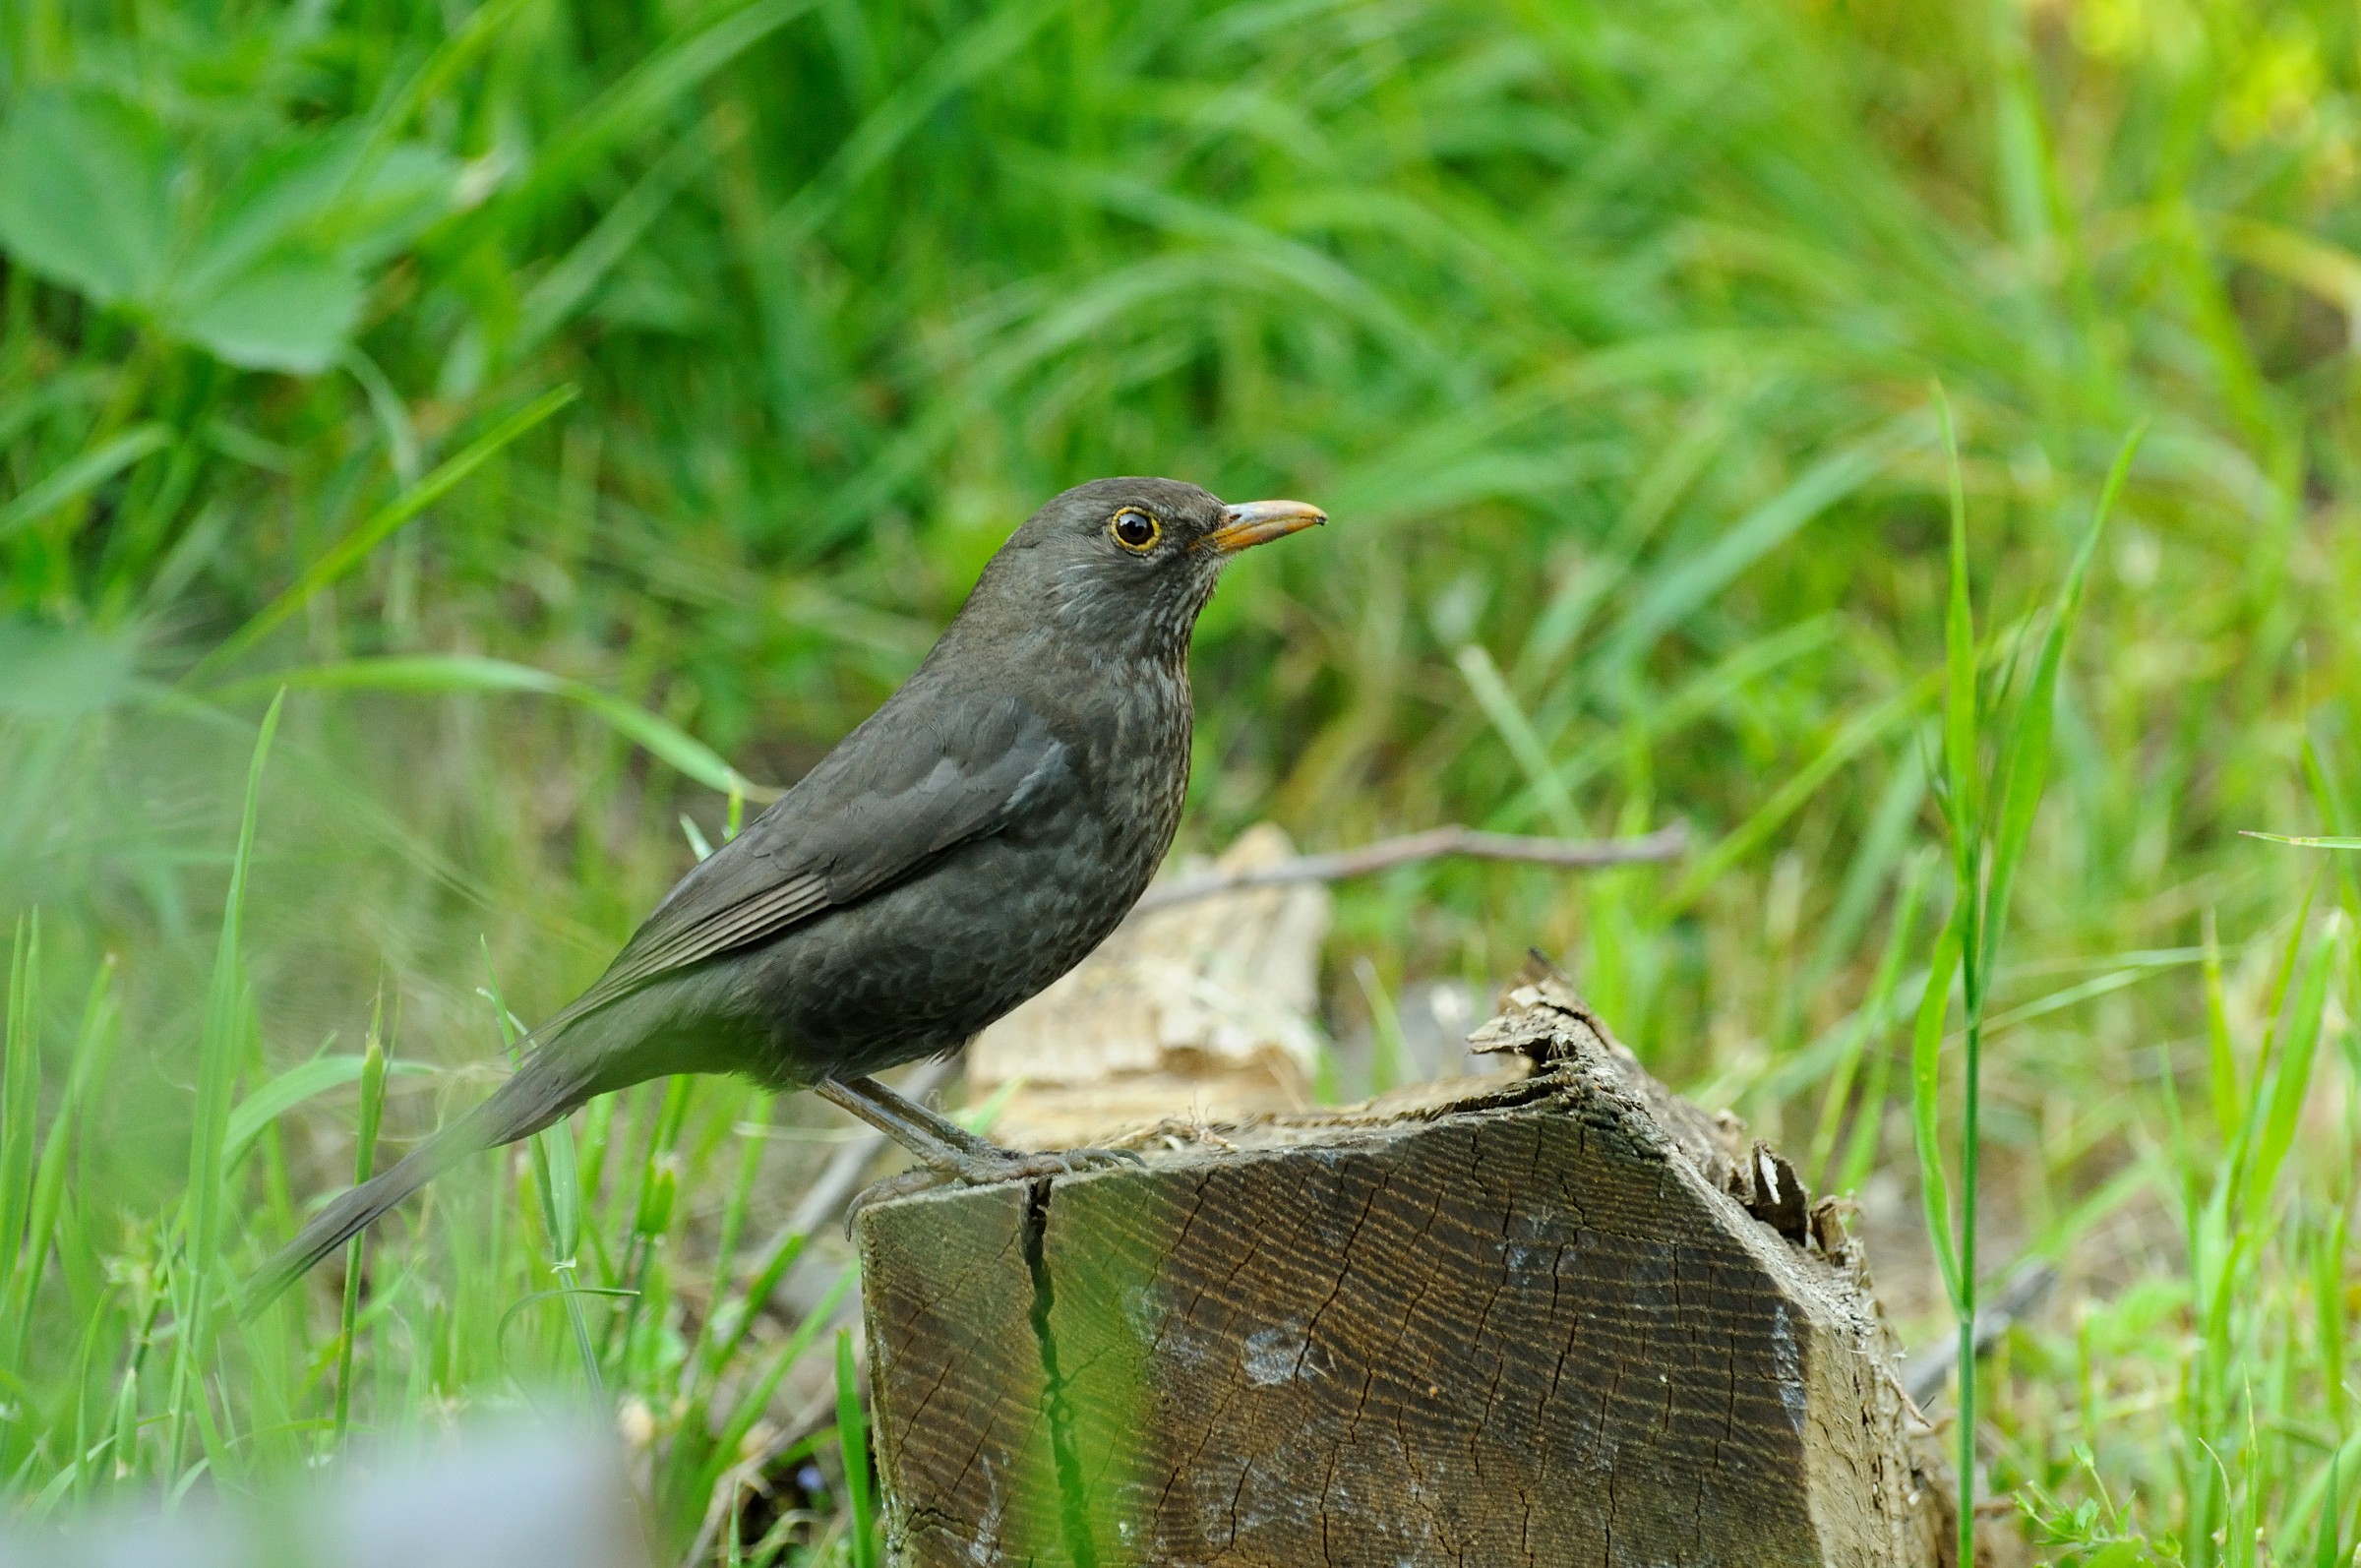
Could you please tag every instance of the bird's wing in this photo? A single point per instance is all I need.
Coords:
(897, 794)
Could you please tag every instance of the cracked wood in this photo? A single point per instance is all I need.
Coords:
(1534, 1324)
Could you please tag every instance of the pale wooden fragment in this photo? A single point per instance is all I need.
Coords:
(1559, 1320)
(1199, 1011)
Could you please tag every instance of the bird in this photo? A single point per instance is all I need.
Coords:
(966, 844)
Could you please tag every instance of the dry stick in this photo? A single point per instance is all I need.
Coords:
(747, 1472)
(1665, 843)
(1925, 1373)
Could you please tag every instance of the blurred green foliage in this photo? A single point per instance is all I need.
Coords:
(1604, 333)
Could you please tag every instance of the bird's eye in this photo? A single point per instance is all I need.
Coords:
(1135, 530)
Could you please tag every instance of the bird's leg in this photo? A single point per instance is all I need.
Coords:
(941, 1144)
(948, 1149)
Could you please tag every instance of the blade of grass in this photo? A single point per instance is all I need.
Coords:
(652, 1213)
(450, 57)
(1676, 594)
(443, 674)
(219, 1050)
(1960, 773)
(756, 1396)
(558, 1184)
(2023, 765)
(83, 475)
(642, 100)
(2291, 1071)
(1390, 1065)
(1499, 705)
(302, 1082)
(1926, 1089)
(20, 1094)
(851, 1438)
(2237, 1170)
(1867, 1031)
(91, 1049)
(1964, 814)
(756, 1124)
(381, 526)
(2221, 1062)
(364, 1165)
(1863, 732)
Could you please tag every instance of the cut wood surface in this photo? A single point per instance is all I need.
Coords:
(1556, 1318)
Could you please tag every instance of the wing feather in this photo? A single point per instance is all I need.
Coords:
(886, 803)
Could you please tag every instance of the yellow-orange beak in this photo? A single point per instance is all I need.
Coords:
(1253, 523)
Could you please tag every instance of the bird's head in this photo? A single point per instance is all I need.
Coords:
(1123, 566)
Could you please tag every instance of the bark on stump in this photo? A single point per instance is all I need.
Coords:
(1561, 1318)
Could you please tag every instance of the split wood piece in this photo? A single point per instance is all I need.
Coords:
(1201, 1011)
(1566, 1318)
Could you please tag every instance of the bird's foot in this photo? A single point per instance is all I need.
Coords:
(1009, 1164)
(917, 1179)
(971, 1169)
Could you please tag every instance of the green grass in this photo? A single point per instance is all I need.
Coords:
(585, 413)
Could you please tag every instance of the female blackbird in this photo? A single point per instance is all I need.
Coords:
(971, 841)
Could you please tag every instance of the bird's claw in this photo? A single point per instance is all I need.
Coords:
(1075, 1161)
(1009, 1164)
(980, 1170)
(902, 1186)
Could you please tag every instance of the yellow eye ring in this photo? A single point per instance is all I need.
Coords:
(1135, 530)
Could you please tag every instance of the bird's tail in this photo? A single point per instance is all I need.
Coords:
(551, 1083)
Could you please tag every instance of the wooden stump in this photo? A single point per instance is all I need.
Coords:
(1557, 1318)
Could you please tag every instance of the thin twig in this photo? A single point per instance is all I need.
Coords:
(1665, 843)
(1925, 1374)
(749, 1471)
